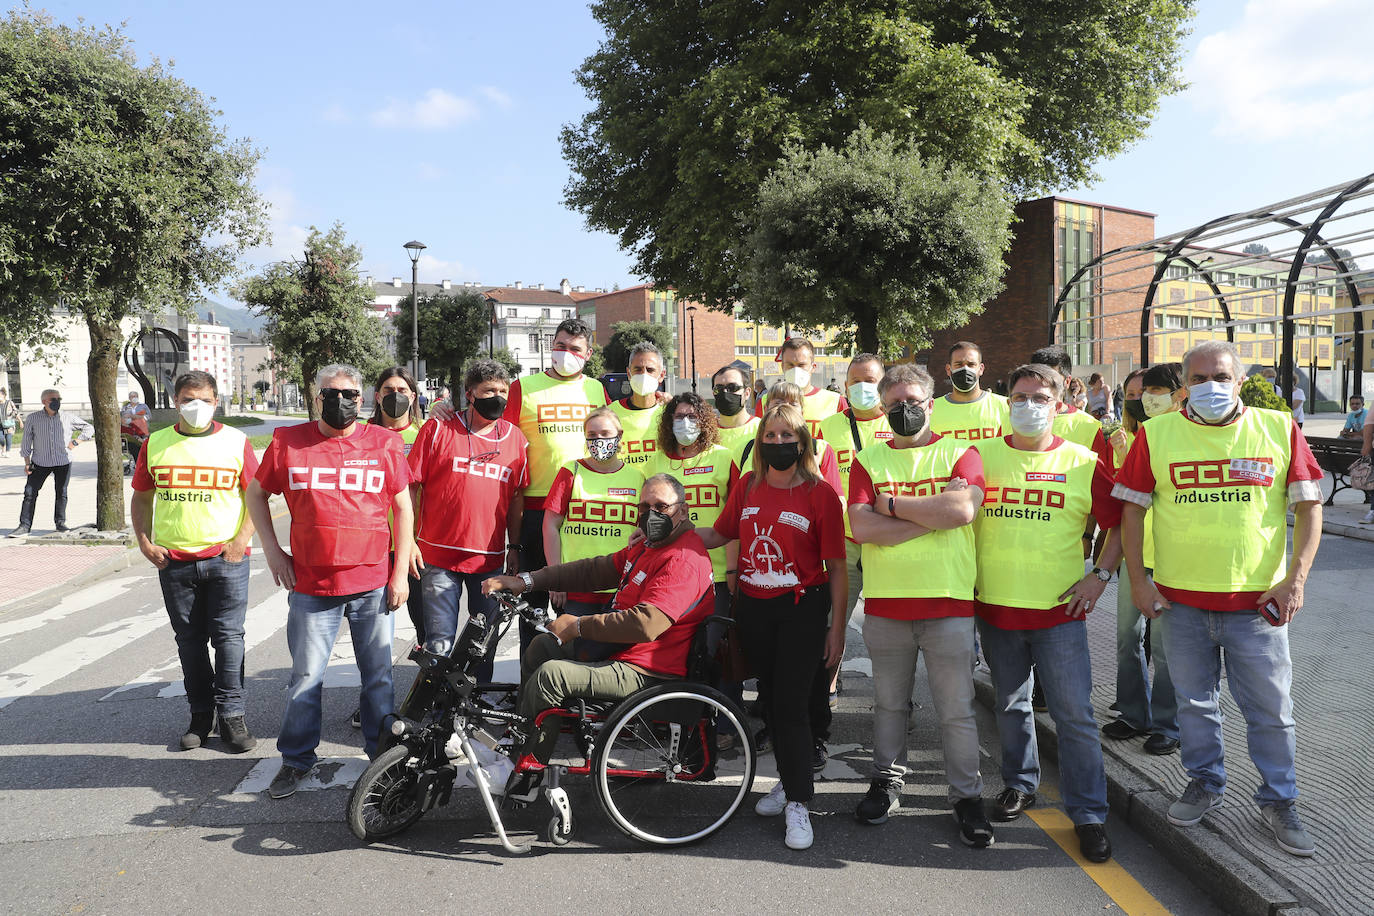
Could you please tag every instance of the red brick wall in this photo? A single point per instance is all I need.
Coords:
(715, 340)
(625, 305)
(1130, 276)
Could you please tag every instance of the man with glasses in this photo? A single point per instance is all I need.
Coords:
(339, 477)
(733, 399)
(664, 591)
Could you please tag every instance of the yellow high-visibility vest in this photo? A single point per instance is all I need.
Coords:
(198, 500)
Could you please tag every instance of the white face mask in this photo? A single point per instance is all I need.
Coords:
(567, 363)
(1156, 404)
(863, 395)
(643, 384)
(799, 377)
(685, 430)
(197, 414)
(1031, 419)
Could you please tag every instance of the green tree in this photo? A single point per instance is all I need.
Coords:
(119, 191)
(872, 237)
(1258, 391)
(1255, 248)
(596, 363)
(316, 311)
(452, 329)
(624, 336)
(502, 356)
(693, 105)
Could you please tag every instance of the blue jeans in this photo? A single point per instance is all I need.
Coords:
(1060, 656)
(1259, 674)
(443, 591)
(312, 623)
(1146, 706)
(207, 601)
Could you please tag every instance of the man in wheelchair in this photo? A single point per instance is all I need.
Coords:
(664, 590)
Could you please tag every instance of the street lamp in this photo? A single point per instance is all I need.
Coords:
(413, 249)
(692, 323)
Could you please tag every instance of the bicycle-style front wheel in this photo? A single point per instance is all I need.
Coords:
(673, 763)
(386, 799)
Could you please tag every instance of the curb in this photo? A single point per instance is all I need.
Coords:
(1233, 881)
(85, 577)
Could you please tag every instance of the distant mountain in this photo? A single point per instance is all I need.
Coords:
(233, 317)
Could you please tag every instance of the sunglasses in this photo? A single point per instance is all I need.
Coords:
(348, 394)
(730, 389)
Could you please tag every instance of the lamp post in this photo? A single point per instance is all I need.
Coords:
(413, 249)
(692, 324)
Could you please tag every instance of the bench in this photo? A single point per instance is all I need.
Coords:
(1335, 456)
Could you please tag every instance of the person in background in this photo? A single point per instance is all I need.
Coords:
(639, 413)
(1100, 403)
(1222, 579)
(798, 359)
(422, 400)
(9, 421)
(735, 420)
(191, 522)
(591, 511)
(1146, 708)
(468, 474)
(787, 520)
(346, 488)
(1354, 420)
(1297, 403)
(50, 435)
(133, 408)
(395, 405)
(1077, 394)
(970, 411)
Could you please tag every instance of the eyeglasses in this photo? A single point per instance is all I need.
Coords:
(1039, 400)
(661, 508)
(724, 389)
(348, 394)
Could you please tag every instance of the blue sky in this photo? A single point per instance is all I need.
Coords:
(439, 120)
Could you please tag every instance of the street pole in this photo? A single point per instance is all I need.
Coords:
(692, 324)
(413, 250)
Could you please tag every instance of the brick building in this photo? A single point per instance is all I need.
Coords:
(715, 331)
(1054, 237)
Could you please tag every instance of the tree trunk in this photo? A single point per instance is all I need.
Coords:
(102, 377)
(866, 327)
(309, 389)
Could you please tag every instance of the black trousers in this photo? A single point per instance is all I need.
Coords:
(38, 475)
(784, 639)
(531, 559)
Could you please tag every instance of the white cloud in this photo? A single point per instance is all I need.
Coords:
(437, 109)
(336, 114)
(1289, 69)
(496, 96)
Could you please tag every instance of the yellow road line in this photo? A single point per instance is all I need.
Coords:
(1125, 891)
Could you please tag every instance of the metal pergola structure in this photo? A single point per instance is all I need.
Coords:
(1337, 222)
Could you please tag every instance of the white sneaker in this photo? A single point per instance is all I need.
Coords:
(771, 805)
(799, 835)
(1368, 518)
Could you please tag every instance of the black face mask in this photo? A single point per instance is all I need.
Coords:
(1135, 409)
(55, 404)
(964, 379)
(339, 412)
(780, 455)
(489, 408)
(656, 526)
(906, 418)
(729, 403)
(395, 405)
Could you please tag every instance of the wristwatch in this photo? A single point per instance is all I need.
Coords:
(528, 580)
(1104, 575)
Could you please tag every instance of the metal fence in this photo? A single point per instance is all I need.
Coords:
(1271, 275)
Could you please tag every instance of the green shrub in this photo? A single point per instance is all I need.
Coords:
(1257, 391)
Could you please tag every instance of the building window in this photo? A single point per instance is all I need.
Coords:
(1247, 304)
(1201, 321)
(510, 313)
(1177, 272)
(1224, 278)
(770, 333)
(744, 332)
(1159, 320)
(1267, 303)
(1246, 281)
(544, 313)
(567, 313)
(534, 342)
(1175, 346)
(1175, 295)
(1267, 349)
(1246, 350)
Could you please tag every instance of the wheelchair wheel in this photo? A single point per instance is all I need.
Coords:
(658, 773)
(384, 800)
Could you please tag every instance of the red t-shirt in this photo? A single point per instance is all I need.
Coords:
(1135, 474)
(676, 579)
(339, 491)
(785, 535)
(861, 491)
(143, 481)
(469, 480)
(1106, 509)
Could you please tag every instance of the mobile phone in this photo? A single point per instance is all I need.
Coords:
(1270, 612)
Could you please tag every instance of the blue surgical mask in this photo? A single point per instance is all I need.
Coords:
(863, 395)
(1212, 400)
(1031, 419)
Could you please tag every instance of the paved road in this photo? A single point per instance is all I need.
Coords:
(100, 814)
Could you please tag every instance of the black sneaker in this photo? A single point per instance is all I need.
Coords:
(1010, 803)
(356, 720)
(233, 731)
(818, 756)
(202, 724)
(974, 828)
(287, 780)
(884, 796)
(19, 532)
(763, 742)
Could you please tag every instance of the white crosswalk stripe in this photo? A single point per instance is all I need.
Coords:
(38, 672)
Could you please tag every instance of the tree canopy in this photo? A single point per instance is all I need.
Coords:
(624, 336)
(874, 237)
(119, 192)
(452, 330)
(316, 311)
(694, 104)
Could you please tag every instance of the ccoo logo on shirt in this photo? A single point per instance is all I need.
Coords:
(321, 478)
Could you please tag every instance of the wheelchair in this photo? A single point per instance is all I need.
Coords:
(670, 765)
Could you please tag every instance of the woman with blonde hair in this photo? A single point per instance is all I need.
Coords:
(789, 524)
